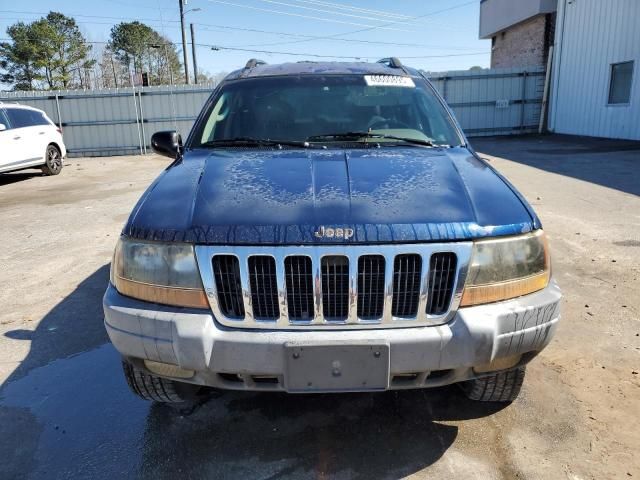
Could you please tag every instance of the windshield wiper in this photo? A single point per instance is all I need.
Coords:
(250, 141)
(356, 135)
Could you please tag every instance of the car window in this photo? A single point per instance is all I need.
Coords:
(39, 118)
(298, 107)
(22, 117)
(4, 120)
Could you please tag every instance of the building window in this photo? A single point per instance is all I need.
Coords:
(620, 83)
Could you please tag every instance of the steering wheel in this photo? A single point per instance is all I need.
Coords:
(378, 122)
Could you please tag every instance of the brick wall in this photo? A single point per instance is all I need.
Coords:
(522, 45)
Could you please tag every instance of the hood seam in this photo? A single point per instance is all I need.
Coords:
(466, 189)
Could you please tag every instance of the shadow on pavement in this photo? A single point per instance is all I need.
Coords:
(610, 163)
(72, 326)
(9, 178)
(384, 435)
(69, 414)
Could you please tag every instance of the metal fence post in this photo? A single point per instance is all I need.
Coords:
(144, 136)
(135, 109)
(59, 115)
(523, 99)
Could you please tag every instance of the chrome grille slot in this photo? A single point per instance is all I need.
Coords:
(407, 271)
(264, 287)
(335, 287)
(370, 286)
(299, 282)
(442, 274)
(226, 270)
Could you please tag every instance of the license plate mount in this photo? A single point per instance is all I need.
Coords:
(337, 367)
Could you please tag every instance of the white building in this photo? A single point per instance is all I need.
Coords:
(595, 88)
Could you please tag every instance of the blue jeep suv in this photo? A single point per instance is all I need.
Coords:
(326, 227)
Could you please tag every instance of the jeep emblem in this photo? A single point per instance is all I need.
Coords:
(324, 232)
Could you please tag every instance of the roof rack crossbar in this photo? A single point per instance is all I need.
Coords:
(392, 62)
(254, 62)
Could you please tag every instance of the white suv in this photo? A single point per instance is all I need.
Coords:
(29, 139)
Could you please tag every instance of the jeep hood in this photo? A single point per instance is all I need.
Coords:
(391, 194)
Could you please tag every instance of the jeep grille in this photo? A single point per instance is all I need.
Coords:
(227, 276)
(264, 289)
(299, 285)
(370, 286)
(381, 286)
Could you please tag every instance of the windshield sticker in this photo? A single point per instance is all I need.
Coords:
(389, 81)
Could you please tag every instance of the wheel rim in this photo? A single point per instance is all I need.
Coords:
(53, 159)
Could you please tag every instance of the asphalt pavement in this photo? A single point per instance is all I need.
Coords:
(66, 412)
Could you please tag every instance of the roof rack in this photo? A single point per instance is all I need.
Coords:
(392, 62)
(254, 62)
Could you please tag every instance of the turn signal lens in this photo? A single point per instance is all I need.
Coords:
(506, 268)
(164, 273)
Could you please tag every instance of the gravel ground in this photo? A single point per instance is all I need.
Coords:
(65, 411)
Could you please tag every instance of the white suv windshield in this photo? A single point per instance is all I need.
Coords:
(300, 108)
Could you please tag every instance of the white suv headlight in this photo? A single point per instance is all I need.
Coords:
(158, 272)
(505, 268)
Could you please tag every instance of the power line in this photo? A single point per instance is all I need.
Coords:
(330, 20)
(316, 37)
(271, 52)
(305, 37)
(84, 16)
(222, 28)
(297, 54)
(369, 11)
(437, 12)
(93, 22)
(333, 12)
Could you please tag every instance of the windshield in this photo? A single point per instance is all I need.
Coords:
(320, 108)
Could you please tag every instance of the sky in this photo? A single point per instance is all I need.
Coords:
(435, 35)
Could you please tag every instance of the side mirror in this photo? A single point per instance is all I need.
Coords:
(2, 127)
(167, 143)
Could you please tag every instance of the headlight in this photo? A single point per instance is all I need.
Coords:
(158, 272)
(507, 268)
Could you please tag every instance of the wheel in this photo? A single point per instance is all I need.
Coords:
(500, 387)
(158, 389)
(53, 161)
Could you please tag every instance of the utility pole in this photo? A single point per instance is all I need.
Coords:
(193, 52)
(184, 43)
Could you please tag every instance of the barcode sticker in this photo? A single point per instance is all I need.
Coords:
(389, 81)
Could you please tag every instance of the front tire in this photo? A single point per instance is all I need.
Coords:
(53, 160)
(158, 389)
(499, 387)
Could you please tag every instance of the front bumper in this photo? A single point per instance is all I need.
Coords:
(418, 357)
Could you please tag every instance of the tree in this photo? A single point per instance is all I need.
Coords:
(112, 72)
(65, 52)
(18, 58)
(137, 44)
(206, 77)
(50, 52)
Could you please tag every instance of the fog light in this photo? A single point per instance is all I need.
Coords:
(168, 370)
(501, 363)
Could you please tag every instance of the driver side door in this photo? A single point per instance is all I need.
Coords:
(8, 146)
